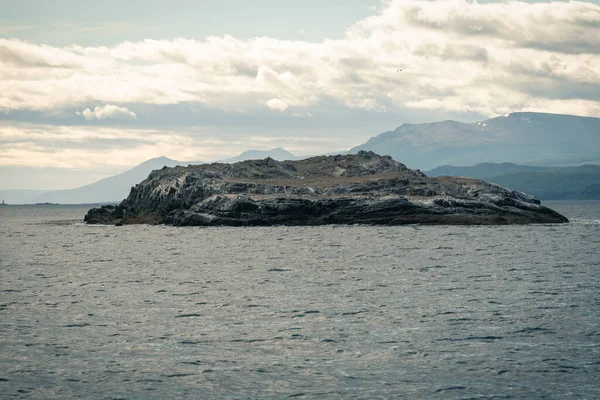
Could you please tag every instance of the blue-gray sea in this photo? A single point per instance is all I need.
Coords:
(340, 312)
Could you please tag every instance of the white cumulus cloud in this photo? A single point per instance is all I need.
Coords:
(277, 104)
(108, 111)
(487, 58)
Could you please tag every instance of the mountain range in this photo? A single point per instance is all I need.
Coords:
(522, 138)
(547, 183)
(106, 190)
(277, 153)
(520, 151)
(116, 188)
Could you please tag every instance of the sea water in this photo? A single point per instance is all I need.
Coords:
(341, 312)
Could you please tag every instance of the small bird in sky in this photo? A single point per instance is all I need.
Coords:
(399, 70)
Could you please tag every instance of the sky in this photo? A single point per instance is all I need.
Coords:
(89, 89)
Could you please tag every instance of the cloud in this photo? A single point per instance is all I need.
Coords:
(458, 55)
(108, 111)
(562, 26)
(277, 104)
(366, 104)
(99, 147)
(89, 147)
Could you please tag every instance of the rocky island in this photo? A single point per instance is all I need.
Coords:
(363, 188)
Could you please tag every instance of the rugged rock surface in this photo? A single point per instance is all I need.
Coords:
(362, 188)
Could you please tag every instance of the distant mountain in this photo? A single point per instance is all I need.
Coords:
(19, 196)
(483, 170)
(111, 189)
(550, 183)
(521, 138)
(116, 188)
(277, 153)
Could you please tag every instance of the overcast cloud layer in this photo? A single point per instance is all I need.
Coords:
(456, 58)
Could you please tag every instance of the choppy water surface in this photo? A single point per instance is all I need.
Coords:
(141, 312)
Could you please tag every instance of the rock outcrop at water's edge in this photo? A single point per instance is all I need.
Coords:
(362, 188)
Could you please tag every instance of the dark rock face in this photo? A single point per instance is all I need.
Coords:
(104, 215)
(362, 188)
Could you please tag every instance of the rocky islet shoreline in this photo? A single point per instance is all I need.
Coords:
(363, 188)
